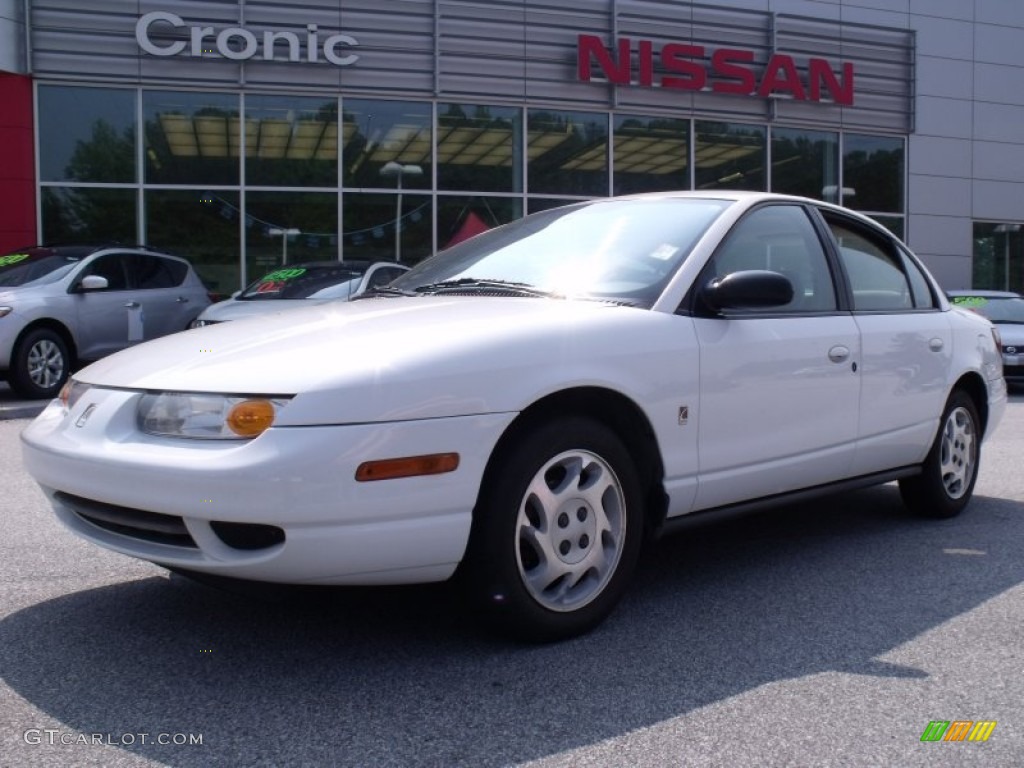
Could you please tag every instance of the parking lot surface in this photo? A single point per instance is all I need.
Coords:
(829, 634)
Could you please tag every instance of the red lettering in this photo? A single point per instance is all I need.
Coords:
(646, 62)
(676, 57)
(721, 63)
(820, 73)
(684, 68)
(590, 47)
(780, 75)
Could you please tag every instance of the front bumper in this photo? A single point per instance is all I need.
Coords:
(216, 506)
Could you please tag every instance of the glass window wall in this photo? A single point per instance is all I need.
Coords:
(998, 263)
(651, 154)
(89, 215)
(86, 134)
(729, 155)
(567, 153)
(806, 163)
(191, 138)
(288, 227)
(383, 227)
(393, 203)
(386, 144)
(460, 218)
(203, 227)
(291, 141)
(873, 173)
(479, 147)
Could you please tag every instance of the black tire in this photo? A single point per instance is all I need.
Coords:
(40, 364)
(557, 531)
(949, 472)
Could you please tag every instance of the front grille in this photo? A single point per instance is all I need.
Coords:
(136, 523)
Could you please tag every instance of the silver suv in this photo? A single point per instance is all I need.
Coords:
(65, 305)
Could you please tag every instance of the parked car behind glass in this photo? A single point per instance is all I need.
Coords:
(1006, 311)
(63, 305)
(302, 285)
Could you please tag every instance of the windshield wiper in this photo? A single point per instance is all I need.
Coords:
(482, 284)
(384, 290)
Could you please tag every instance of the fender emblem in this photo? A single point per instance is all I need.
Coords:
(85, 415)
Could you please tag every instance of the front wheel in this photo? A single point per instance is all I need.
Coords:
(40, 364)
(557, 531)
(947, 477)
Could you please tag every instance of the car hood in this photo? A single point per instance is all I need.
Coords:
(233, 309)
(404, 358)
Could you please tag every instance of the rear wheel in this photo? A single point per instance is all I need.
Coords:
(557, 532)
(40, 364)
(946, 482)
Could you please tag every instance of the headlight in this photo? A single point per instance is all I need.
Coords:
(211, 417)
(71, 393)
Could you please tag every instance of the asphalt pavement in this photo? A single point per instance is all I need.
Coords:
(828, 634)
(14, 407)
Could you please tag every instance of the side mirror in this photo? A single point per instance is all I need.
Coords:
(749, 289)
(93, 283)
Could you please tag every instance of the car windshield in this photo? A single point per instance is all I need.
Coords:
(306, 281)
(1007, 310)
(625, 250)
(35, 265)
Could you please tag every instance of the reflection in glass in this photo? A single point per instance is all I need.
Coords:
(567, 153)
(191, 138)
(729, 156)
(998, 262)
(460, 218)
(291, 141)
(873, 173)
(375, 133)
(806, 163)
(86, 134)
(88, 215)
(203, 227)
(478, 147)
(370, 227)
(289, 227)
(651, 154)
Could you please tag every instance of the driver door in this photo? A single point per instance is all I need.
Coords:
(779, 388)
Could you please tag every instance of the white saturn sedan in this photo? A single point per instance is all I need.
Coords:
(529, 407)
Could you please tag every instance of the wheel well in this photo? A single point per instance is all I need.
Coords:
(974, 386)
(57, 327)
(615, 411)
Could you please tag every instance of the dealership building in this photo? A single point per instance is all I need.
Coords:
(246, 133)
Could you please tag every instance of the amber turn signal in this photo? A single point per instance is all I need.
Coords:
(250, 418)
(408, 466)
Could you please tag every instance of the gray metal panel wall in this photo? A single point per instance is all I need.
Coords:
(520, 51)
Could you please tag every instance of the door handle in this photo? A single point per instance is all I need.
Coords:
(936, 345)
(181, 300)
(838, 353)
(131, 304)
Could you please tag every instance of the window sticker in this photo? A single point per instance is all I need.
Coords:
(970, 302)
(276, 281)
(12, 258)
(664, 252)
